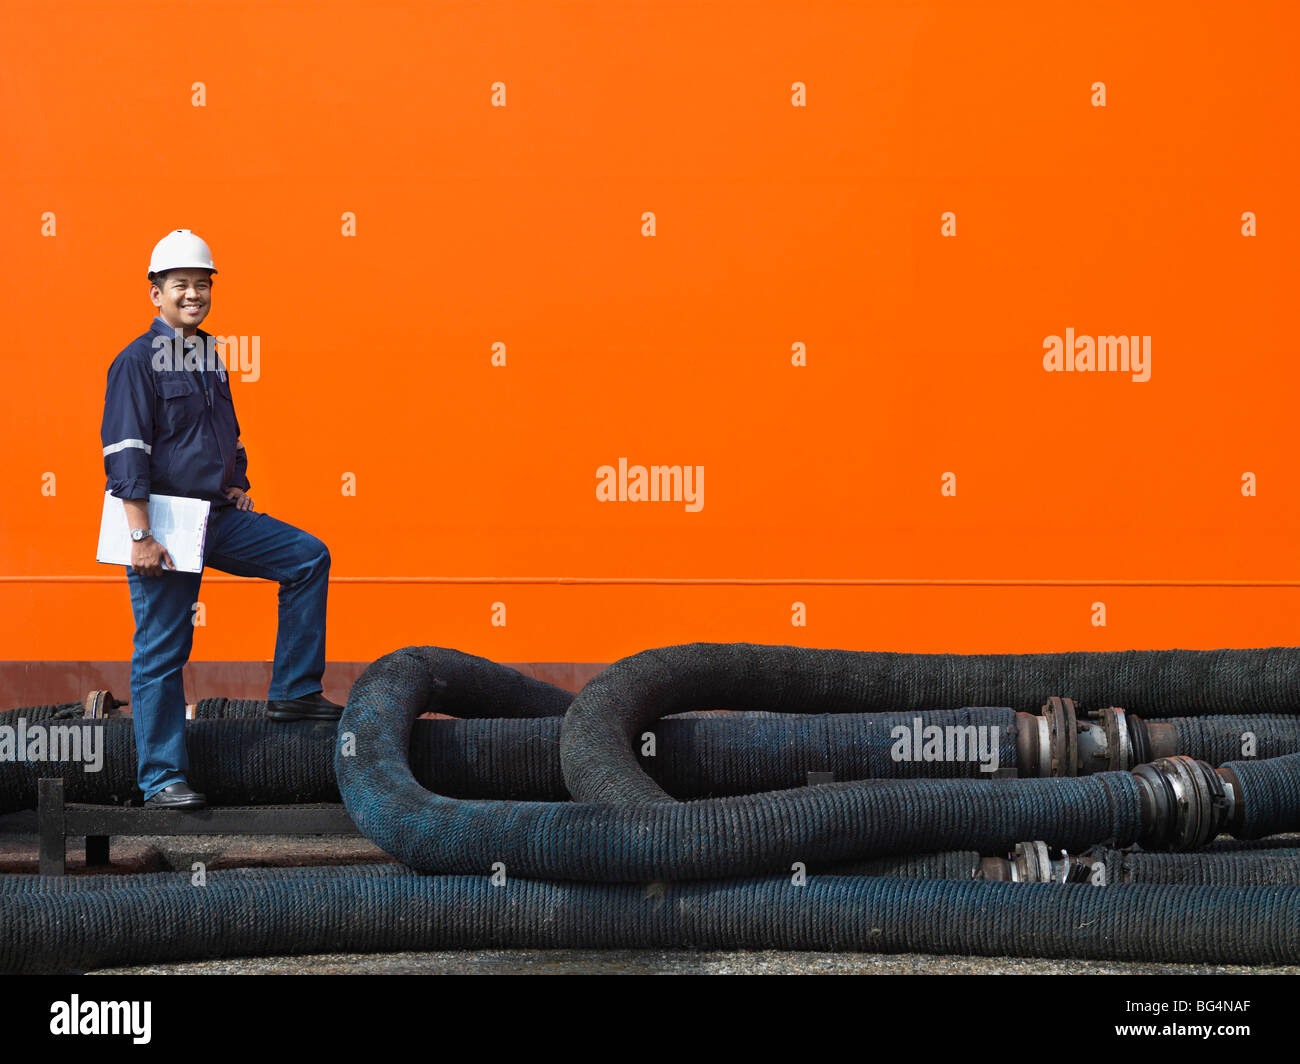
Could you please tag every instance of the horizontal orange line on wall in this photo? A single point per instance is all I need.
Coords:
(708, 581)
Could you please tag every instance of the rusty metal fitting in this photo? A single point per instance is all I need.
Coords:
(1106, 746)
(1160, 738)
(1185, 803)
(1140, 738)
(995, 869)
(1047, 744)
(1033, 746)
(1032, 863)
(100, 704)
(1236, 807)
(1063, 736)
(1056, 743)
(1062, 743)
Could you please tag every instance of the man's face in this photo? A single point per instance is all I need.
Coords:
(183, 298)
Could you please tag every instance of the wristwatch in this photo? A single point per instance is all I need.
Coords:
(138, 534)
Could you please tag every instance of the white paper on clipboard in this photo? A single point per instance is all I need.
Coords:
(178, 523)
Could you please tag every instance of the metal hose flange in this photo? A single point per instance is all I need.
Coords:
(1184, 803)
(1102, 866)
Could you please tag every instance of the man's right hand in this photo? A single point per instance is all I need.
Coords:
(148, 556)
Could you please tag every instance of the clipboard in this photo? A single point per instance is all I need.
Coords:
(180, 524)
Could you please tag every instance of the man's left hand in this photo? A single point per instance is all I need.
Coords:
(239, 498)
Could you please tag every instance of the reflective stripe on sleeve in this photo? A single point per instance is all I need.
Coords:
(122, 445)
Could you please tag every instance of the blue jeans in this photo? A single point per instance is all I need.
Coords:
(245, 543)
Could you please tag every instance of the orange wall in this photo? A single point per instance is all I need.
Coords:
(776, 225)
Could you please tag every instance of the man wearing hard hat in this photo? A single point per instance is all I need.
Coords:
(170, 428)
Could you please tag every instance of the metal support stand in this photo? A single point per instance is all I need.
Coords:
(58, 821)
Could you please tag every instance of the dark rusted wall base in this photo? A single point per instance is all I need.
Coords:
(37, 683)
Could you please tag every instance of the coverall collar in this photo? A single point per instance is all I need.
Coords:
(160, 326)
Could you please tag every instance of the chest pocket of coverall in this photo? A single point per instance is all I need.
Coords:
(181, 405)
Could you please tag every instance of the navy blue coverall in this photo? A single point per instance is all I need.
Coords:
(170, 429)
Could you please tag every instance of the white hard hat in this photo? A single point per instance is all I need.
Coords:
(180, 249)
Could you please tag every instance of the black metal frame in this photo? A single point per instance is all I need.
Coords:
(58, 820)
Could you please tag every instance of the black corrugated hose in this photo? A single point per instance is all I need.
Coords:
(253, 761)
(624, 830)
(248, 760)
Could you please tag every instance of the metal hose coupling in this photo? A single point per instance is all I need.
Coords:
(1057, 742)
(1185, 803)
(1062, 741)
(1032, 863)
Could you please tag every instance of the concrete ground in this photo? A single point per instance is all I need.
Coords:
(671, 962)
(18, 854)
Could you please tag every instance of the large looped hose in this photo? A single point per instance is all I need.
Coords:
(694, 840)
(651, 836)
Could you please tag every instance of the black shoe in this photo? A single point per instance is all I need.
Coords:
(178, 795)
(309, 707)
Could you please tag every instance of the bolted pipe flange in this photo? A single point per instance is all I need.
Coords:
(1062, 725)
(1033, 747)
(1118, 745)
(1184, 803)
(1097, 747)
(1031, 863)
(1058, 743)
(1234, 821)
(100, 704)
(1139, 740)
